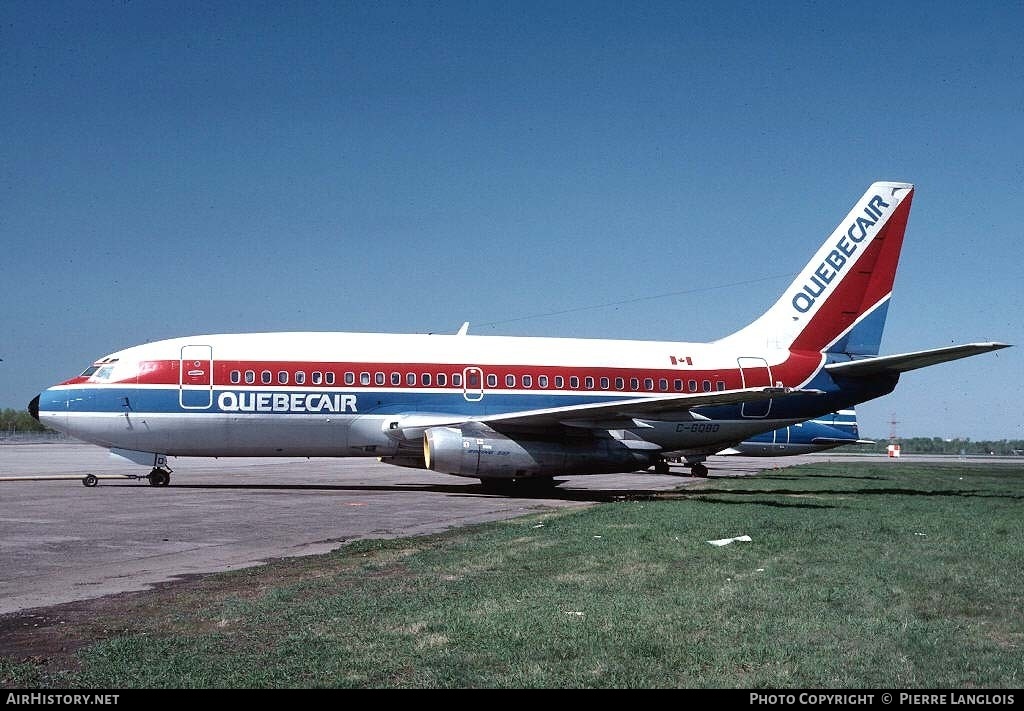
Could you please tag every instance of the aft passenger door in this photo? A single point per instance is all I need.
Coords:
(195, 377)
(756, 374)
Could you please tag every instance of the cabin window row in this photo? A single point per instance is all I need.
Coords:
(365, 378)
(284, 377)
(266, 377)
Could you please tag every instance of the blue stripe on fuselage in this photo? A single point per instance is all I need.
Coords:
(839, 394)
(254, 402)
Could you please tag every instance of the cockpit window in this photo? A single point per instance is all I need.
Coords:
(104, 373)
(90, 370)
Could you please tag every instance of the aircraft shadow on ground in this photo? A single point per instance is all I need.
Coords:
(779, 477)
(470, 489)
(604, 495)
(965, 493)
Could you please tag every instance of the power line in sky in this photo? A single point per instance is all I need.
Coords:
(636, 300)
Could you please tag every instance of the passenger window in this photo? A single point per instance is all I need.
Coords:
(634, 383)
(396, 378)
(677, 385)
(282, 377)
(605, 384)
(250, 376)
(589, 381)
(510, 381)
(364, 378)
(442, 380)
(317, 377)
(457, 380)
(425, 379)
(542, 381)
(559, 382)
(266, 377)
(721, 384)
(692, 385)
(410, 378)
(329, 377)
(492, 380)
(707, 386)
(473, 379)
(574, 382)
(648, 384)
(350, 378)
(527, 381)
(236, 376)
(378, 378)
(620, 383)
(663, 384)
(300, 377)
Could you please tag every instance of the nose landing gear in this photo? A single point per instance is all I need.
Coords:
(159, 477)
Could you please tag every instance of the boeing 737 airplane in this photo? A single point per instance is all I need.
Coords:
(503, 409)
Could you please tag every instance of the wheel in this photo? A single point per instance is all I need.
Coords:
(89, 480)
(159, 477)
(699, 469)
(661, 467)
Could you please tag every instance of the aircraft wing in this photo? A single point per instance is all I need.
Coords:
(600, 415)
(647, 407)
(903, 362)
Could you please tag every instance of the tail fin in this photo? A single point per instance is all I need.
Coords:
(843, 420)
(839, 301)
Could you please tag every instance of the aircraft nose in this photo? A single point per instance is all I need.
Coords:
(33, 408)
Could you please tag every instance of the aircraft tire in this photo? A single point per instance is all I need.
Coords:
(89, 480)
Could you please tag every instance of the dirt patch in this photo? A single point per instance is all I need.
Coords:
(50, 637)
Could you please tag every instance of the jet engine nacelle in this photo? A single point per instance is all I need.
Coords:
(491, 455)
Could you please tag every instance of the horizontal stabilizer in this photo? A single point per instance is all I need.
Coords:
(839, 440)
(903, 362)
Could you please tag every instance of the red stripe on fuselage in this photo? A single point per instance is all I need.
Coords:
(794, 371)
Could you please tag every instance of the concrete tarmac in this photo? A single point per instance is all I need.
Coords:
(62, 542)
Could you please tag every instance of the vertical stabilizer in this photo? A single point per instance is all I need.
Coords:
(838, 303)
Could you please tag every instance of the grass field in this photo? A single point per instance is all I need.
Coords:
(858, 575)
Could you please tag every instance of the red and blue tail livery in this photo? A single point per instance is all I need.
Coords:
(507, 408)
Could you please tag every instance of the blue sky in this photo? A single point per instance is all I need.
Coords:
(175, 168)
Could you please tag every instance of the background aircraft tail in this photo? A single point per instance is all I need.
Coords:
(839, 301)
(845, 421)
